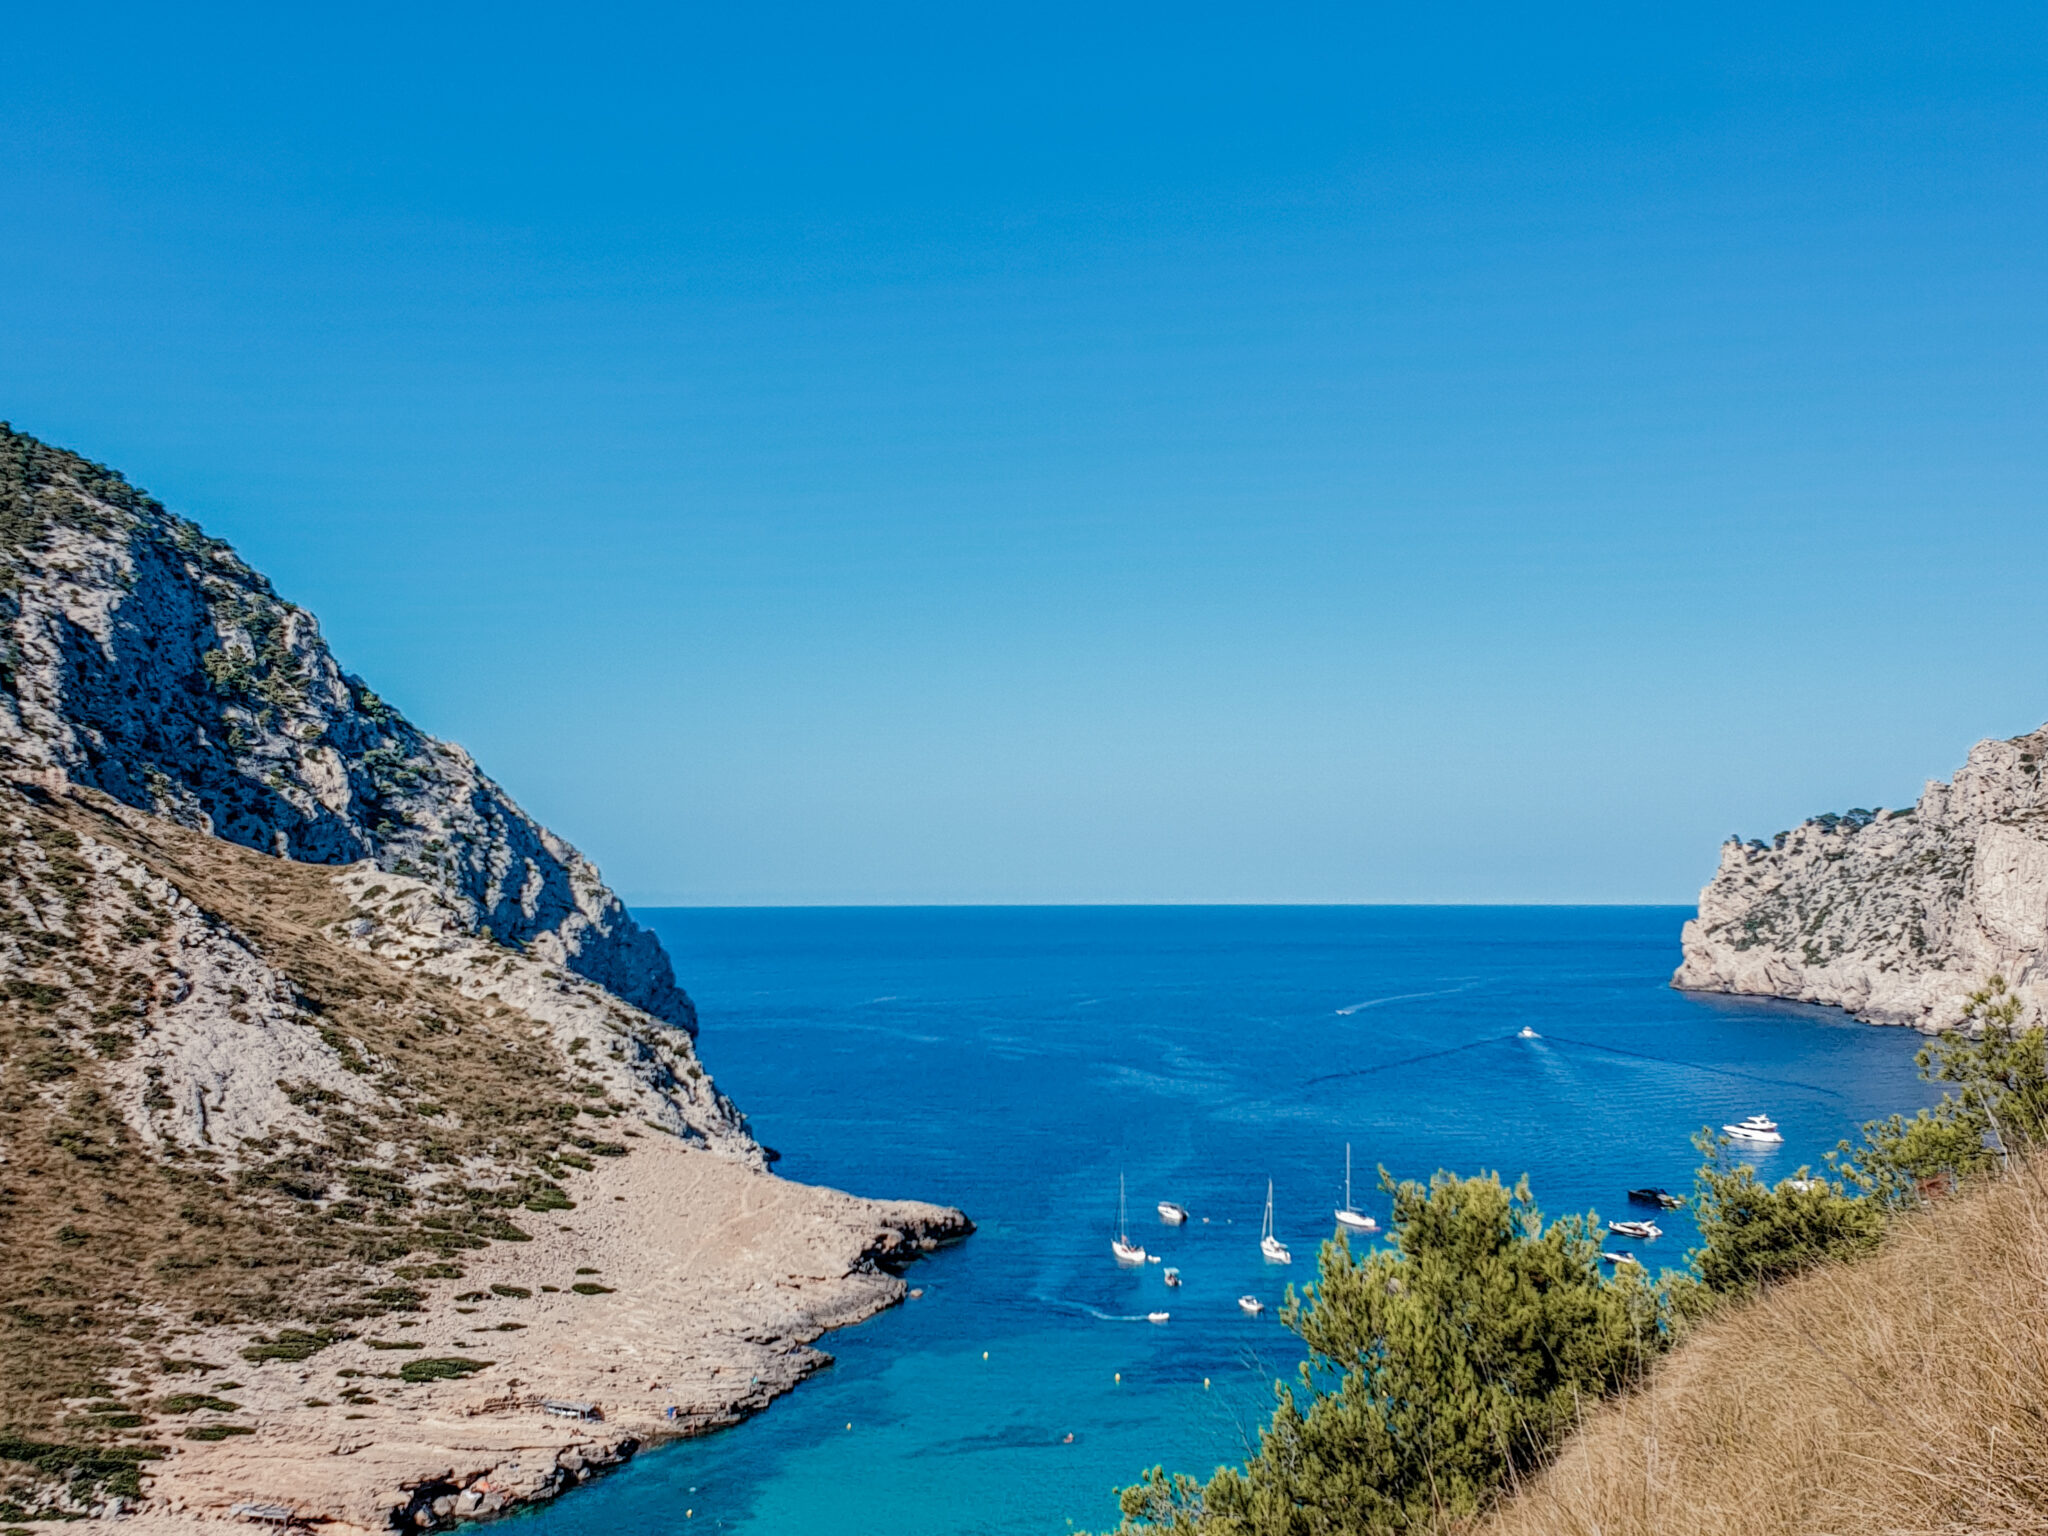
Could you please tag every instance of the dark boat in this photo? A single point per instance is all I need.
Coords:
(1661, 1198)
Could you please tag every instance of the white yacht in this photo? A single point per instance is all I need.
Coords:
(1126, 1251)
(1619, 1259)
(1648, 1231)
(1271, 1246)
(1350, 1216)
(1755, 1128)
(1251, 1304)
(1173, 1215)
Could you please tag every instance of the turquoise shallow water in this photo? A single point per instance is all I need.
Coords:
(1013, 1061)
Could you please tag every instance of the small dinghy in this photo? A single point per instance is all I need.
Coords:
(1757, 1128)
(1173, 1215)
(1172, 1277)
(1271, 1246)
(1349, 1215)
(1157, 1317)
(1648, 1231)
(1251, 1304)
(1619, 1259)
(1655, 1196)
(1126, 1251)
(1526, 1033)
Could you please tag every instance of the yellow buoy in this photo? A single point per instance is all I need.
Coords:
(1205, 1383)
(984, 1354)
(849, 1423)
(1119, 1377)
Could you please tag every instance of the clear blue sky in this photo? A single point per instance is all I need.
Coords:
(1149, 453)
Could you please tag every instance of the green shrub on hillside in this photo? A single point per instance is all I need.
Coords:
(1753, 1233)
(1435, 1369)
(2000, 1106)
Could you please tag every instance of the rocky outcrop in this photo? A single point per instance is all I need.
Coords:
(144, 659)
(330, 1079)
(1896, 916)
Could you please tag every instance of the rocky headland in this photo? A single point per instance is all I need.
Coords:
(356, 1161)
(1895, 915)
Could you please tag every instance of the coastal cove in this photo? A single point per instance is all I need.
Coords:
(1012, 1061)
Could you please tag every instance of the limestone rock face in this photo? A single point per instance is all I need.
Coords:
(146, 660)
(1895, 916)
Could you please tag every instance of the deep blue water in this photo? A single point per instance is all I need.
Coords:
(1013, 1061)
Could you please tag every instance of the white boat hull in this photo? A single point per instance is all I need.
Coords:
(1171, 1214)
(1744, 1133)
(1275, 1251)
(1127, 1253)
(1251, 1304)
(1357, 1221)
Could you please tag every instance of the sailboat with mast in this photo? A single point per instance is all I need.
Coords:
(1349, 1215)
(1126, 1251)
(1271, 1246)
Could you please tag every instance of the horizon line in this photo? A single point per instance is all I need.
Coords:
(907, 905)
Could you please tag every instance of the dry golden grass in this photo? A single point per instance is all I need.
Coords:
(1906, 1393)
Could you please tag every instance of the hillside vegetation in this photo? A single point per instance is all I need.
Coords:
(1907, 1392)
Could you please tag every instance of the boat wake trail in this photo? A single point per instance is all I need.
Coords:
(1400, 997)
(1696, 1066)
(1409, 1061)
(1061, 1305)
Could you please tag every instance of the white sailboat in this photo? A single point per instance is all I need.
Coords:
(1350, 1216)
(1271, 1246)
(1126, 1251)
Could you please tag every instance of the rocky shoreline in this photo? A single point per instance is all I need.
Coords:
(660, 1339)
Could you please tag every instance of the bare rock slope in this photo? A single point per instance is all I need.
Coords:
(1894, 915)
(147, 660)
(346, 1119)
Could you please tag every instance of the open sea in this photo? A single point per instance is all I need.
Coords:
(1014, 1061)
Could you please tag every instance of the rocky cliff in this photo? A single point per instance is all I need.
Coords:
(145, 659)
(1894, 915)
(331, 1084)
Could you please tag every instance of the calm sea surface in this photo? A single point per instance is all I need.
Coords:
(1013, 1061)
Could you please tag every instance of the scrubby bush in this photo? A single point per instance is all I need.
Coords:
(1753, 1233)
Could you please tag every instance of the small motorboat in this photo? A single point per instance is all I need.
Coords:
(1251, 1304)
(1619, 1259)
(1653, 1195)
(1172, 1277)
(1348, 1215)
(1759, 1128)
(1526, 1033)
(1648, 1231)
(1173, 1215)
(1157, 1317)
(1153, 1258)
(1126, 1251)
